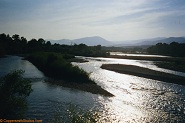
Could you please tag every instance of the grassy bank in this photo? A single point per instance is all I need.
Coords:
(145, 72)
(62, 72)
(176, 66)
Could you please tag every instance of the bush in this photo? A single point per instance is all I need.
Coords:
(76, 114)
(13, 92)
(55, 65)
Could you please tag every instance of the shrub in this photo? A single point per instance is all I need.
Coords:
(76, 114)
(13, 92)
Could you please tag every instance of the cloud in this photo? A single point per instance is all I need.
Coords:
(111, 19)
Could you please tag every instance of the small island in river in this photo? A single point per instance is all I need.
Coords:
(61, 72)
(145, 72)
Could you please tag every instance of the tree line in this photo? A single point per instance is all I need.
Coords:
(172, 49)
(20, 45)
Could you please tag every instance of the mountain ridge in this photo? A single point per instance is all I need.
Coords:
(97, 40)
(90, 41)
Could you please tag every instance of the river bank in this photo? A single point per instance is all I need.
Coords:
(87, 87)
(144, 72)
(176, 66)
(171, 63)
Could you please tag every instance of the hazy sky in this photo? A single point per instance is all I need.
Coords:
(114, 20)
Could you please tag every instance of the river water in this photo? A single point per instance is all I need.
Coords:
(136, 99)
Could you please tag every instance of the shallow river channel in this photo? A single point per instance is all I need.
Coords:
(137, 99)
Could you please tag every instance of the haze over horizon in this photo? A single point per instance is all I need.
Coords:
(113, 20)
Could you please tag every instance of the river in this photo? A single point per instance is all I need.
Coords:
(136, 99)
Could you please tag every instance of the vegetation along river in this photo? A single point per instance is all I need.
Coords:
(136, 99)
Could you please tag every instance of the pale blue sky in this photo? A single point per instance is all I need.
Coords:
(114, 20)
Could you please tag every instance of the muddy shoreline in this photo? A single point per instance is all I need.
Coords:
(87, 87)
(145, 72)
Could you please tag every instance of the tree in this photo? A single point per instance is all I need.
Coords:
(98, 47)
(48, 43)
(173, 49)
(41, 41)
(15, 37)
(13, 91)
(32, 43)
(23, 40)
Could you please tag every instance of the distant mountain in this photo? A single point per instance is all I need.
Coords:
(138, 42)
(152, 41)
(90, 41)
(96, 40)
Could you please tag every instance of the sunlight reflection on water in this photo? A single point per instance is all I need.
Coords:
(137, 99)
